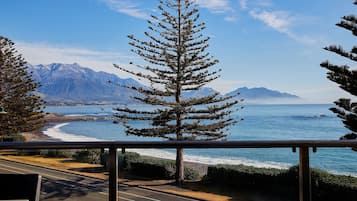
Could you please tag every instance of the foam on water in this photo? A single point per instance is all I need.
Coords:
(74, 115)
(56, 133)
(87, 114)
(211, 160)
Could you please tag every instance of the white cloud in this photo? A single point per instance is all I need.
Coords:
(127, 7)
(230, 19)
(281, 22)
(278, 20)
(263, 3)
(215, 6)
(243, 4)
(42, 53)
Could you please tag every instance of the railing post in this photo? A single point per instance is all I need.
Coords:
(304, 175)
(113, 174)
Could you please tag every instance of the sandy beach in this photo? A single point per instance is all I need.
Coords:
(52, 120)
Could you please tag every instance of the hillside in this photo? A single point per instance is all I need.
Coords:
(71, 83)
(74, 84)
(264, 95)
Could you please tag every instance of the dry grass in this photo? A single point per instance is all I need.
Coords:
(62, 164)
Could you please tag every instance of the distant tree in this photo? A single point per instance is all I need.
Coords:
(175, 51)
(17, 93)
(346, 77)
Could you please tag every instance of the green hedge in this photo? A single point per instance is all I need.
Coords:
(325, 186)
(243, 176)
(152, 167)
(92, 156)
(57, 153)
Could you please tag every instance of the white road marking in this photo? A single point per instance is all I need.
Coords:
(24, 170)
(59, 182)
(139, 196)
(49, 169)
(134, 195)
(11, 170)
(61, 178)
(118, 196)
(166, 194)
(123, 198)
(49, 176)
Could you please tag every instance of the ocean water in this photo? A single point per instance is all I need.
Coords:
(261, 122)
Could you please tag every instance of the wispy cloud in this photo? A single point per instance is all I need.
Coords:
(263, 3)
(128, 7)
(215, 6)
(43, 53)
(280, 21)
(230, 19)
(243, 4)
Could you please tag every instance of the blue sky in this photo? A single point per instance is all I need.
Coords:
(270, 43)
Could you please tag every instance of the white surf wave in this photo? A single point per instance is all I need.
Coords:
(74, 115)
(211, 160)
(56, 133)
(87, 114)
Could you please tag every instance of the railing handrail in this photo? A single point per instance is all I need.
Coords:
(303, 145)
(179, 144)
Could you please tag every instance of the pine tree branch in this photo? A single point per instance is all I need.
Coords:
(215, 108)
(347, 79)
(348, 24)
(142, 112)
(340, 51)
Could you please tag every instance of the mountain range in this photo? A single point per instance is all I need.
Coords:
(74, 84)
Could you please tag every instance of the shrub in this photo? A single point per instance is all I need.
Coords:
(12, 138)
(325, 186)
(28, 152)
(150, 170)
(151, 167)
(330, 187)
(191, 174)
(56, 153)
(126, 159)
(243, 176)
(92, 156)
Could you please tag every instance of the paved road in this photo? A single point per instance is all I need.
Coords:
(57, 185)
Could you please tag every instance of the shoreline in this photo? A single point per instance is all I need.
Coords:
(51, 132)
(53, 120)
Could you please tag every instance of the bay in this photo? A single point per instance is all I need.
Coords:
(261, 122)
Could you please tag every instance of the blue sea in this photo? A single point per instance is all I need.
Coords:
(261, 122)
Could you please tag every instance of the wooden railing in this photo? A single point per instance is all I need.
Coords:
(302, 145)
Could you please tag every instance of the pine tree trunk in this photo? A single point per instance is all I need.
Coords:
(179, 155)
(180, 176)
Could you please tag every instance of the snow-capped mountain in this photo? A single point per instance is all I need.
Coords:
(73, 84)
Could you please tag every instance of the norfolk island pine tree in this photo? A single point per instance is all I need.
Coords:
(346, 78)
(176, 62)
